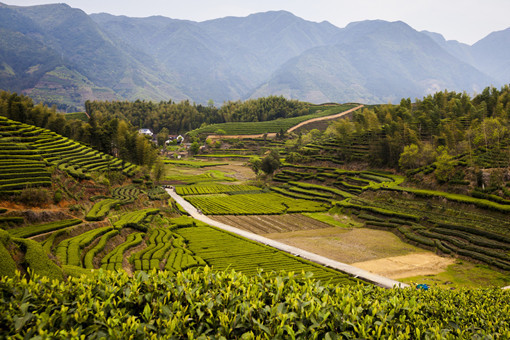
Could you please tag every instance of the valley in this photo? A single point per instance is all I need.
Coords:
(337, 208)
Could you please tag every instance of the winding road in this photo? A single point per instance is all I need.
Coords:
(356, 272)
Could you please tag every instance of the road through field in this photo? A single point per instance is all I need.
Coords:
(356, 272)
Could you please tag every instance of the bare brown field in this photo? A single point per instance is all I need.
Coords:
(347, 245)
(399, 267)
(268, 224)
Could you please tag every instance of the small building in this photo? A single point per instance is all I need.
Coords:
(146, 132)
(177, 138)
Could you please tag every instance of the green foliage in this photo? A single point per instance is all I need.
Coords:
(24, 163)
(214, 189)
(259, 306)
(274, 125)
(35, 196)
(194, 148)
(409, 158)
(209, 176)
(8, 266)
(193, 164)
(69, 251)
(134, 219)
(252, 204)
(101, 132)
(262, 306)
(482, 203)
(271, 162)
(444, 167)
(37, 260)
(113, 260)
(377, 210)
(89, 256)
(475, 130)
(100, 209)
(33, 230)
(223, 250)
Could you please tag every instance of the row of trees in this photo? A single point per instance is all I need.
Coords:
(179, 118)
(114, 136)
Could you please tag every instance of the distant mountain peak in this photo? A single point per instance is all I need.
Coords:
(44, 47)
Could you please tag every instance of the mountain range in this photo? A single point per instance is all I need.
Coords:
(62, 56)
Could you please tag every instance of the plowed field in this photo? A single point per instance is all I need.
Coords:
(268, 224)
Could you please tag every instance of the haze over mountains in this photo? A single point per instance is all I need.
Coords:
(63, 56)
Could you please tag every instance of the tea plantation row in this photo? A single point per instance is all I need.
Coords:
(210, 304)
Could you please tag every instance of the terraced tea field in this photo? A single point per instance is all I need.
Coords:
(252, 204)
(26, 151)
(224, 251)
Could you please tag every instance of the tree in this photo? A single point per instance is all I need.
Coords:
(158, 169)
(255, 164)
(194, 148)
(445, 168)
(162, 136)
(410, 157)
(271, 162)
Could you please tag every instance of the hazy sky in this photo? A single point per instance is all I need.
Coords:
(464, 20)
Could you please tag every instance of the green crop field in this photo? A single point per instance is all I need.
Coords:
(273, 126)
(214, 189)
(252, 204)
(34, 145)
(223, 250)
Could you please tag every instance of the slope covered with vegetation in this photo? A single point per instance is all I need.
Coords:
(230, 305)
(115, 137)
(126, 262)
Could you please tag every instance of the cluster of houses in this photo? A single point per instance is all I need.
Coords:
(171, 138)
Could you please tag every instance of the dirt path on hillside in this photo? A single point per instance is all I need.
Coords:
(272, 135)
(399, 267)
(338, 115)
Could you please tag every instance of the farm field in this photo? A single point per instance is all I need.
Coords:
(273, 126)
(355, 198)
(224, 251)
(235, 172)
(252, 204)
(347, 245)
(101, 229)
(267, 224)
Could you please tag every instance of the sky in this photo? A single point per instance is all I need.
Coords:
(464, 20)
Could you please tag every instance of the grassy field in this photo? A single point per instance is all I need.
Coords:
(463, 274)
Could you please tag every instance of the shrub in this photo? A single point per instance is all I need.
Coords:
(37, 260)
(35, 196)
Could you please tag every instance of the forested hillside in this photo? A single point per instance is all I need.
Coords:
(443, 127)
(113, 136)
(183, 117)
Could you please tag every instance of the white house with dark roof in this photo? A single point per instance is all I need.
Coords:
(146, 132)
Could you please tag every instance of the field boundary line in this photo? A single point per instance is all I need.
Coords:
(355, 272)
